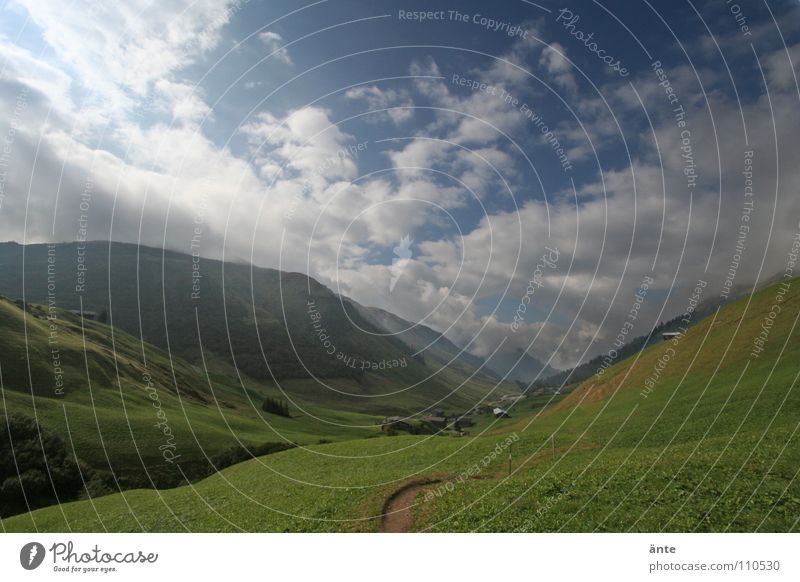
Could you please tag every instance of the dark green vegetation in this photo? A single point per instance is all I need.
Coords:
(711, 446)
(34, 464)
(276, 406)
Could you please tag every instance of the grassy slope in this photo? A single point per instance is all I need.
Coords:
(111, 422)
(244, 312)
(713, 447)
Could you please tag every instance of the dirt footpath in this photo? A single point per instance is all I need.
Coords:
(397, 516)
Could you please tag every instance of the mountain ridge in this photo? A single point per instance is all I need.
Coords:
(272, 325)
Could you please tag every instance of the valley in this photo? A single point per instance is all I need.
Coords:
(711, 447)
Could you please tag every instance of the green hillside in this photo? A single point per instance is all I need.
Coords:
(126, 409)
(712, 445)
(265, 324)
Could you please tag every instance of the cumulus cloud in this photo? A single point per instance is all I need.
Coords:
(398, 106)
(120, 50)
(181, 100)
(554, 60)
(305, 141)
(782, 68)
(274, 42)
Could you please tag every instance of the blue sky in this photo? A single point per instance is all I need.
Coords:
(250, 115)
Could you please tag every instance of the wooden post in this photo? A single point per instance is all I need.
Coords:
(509, 460)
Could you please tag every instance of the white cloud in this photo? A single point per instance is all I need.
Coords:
(783, 68)
(274, 42)
(555, 62)
(182, 101)
(26, 69)
(118, 50)
(472, 119)
(304, 141)
(398, 104)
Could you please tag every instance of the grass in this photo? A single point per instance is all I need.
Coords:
(109, 415)
(713, 447)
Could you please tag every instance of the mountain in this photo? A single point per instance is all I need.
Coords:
(519, 366)
(430, 345)
(271, 326)
(698, 434)
(130, 355)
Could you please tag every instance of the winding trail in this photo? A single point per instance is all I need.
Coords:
(397, 516)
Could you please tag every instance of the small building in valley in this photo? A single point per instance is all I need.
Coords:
(462, 422)
(437, 421)
(85, 314)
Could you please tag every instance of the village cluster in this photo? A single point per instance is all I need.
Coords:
(439, 421)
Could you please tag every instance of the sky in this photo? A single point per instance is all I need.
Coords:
(513, 174)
